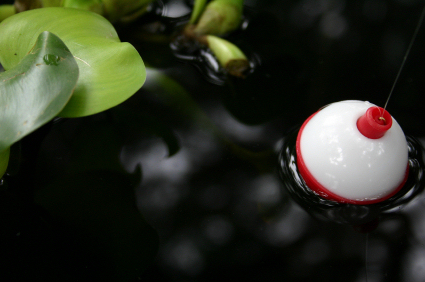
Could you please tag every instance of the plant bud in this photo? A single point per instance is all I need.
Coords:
(220, 17)
(229, 55)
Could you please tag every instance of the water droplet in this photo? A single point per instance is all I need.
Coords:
(51, 59)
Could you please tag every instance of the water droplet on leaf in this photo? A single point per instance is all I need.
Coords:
(51, 59)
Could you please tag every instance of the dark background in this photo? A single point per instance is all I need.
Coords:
(100, 198)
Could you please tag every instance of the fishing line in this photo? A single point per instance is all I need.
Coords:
(366, 247)
(418, 26)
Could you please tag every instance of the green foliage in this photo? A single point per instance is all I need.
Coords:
(6, 11)
(35, 90)
(110, 71)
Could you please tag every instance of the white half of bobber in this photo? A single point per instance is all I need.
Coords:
(346, 162)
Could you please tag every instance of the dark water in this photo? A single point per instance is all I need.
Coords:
(181, 182)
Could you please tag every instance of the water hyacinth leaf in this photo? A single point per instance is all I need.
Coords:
(4, 160)
(110, 71)
(36, 89)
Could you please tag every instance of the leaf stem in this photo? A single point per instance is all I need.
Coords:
(198, 8)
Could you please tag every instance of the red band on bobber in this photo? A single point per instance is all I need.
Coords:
(374, 123)
(315, 186)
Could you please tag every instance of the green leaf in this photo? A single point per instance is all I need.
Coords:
(6, 11)
(4, 160)
(110, 71)
(198, 8)
(35, 90)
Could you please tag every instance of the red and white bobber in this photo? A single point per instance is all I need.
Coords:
(352, 152)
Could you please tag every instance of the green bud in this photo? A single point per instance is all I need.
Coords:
(220, 17)
(230, 57)
(6, 11)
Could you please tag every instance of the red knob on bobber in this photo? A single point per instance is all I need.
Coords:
(374, 123)
(352, 152)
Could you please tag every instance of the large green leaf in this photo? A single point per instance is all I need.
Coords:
(110, 71)
(35, 90)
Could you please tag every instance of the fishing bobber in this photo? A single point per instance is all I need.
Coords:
(352, 152)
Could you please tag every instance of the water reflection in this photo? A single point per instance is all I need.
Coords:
(218, 229)
(183, 255)
(214, 197)
(287, 228)
(266, 190)
(315, 251)
(332, 23)
(414, 265)
(374, 10)
(175, 9)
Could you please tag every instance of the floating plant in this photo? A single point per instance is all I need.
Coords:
(110, 71)
(76, 67)
(207, 23)
(33, 91)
